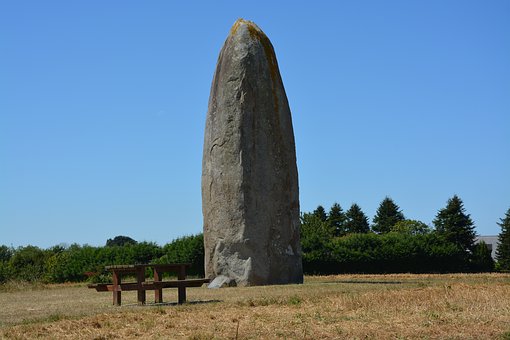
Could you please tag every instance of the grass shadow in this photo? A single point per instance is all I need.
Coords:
(370, 282)
(163, 304)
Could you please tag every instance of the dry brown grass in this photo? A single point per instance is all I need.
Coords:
(469, 306)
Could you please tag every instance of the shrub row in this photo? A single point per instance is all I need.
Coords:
(78, 263)
(322, 254)
(386, 253)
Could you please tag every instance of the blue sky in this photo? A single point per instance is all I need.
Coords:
(102, 110)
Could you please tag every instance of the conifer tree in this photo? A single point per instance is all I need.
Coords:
(336, 220)
(503, 251)
(387, 215)
(455, 225)
(356, 220)
(320, 213)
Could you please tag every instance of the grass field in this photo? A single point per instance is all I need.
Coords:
(460, 306)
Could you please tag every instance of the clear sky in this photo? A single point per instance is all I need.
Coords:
(103, 104)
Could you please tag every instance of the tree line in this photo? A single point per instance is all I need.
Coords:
(345, 242)
(78, 263)
(332, 242)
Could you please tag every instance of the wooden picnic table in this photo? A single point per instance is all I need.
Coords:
(141, 286)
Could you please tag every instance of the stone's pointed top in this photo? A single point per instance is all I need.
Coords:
(241, 22)
(247, 32)
(253, 29)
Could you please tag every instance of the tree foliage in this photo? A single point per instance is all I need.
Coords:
(336, 220)
(320, 212)
(314, 233)
(336, 242)
(28, 263)
(187, 249)
(411, 227)
(385, 253)
(410, 246)
(120, 241)
(503, 252)
(455, 225)
(78, 263)
(316, 236)
(356, 221)
(388, 214)
(5, 253)
(482, 261)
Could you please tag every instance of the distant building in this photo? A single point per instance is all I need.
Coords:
(492, 243)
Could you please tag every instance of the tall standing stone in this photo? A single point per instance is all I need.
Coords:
(250, 197)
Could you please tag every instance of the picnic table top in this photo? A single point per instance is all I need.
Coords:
(141, 266)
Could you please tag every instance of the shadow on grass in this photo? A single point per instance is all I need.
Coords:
(371, 282)
(163, 304)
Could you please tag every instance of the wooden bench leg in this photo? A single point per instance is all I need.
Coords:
(140, 277)
(158, 293)
(181, 275)
(182, 295)
(117, 300)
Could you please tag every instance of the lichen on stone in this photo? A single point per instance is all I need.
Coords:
(256, 33)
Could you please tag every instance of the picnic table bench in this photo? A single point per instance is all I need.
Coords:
(141, 286)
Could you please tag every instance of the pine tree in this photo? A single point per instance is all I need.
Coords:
(320, 213)
(388, 214)
(356, 220)
(336, 220)
(503, 251)
(455, 225)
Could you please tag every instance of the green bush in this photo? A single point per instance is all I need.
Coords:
(386, 253)
(120, 241)
(5, 253)
(187, 249)
(78, 263)
(323, 253)
(5, 272)
(5, 269)
(28, 263)
(481, 260)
